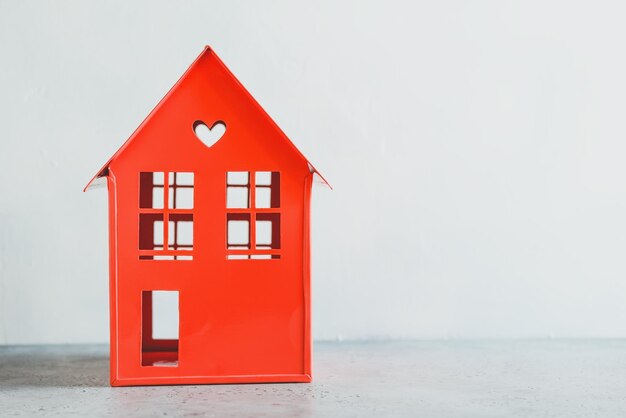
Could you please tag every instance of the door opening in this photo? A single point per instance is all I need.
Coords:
(159, 328)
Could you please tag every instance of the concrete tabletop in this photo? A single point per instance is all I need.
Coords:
(473, 378)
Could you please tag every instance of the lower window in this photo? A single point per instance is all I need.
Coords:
(156, 242)
(260, 241)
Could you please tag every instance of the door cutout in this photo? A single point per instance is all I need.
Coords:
(159, 328)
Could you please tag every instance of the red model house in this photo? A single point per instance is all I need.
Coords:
(218, 232)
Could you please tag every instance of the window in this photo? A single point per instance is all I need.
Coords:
(166, 215)
(252, 215)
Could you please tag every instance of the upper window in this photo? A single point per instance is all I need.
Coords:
(166, 198)
(240, 189)
(252, 217)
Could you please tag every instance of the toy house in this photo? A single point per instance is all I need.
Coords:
(209, 222)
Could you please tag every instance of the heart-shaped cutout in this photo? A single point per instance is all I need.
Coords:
(209, 136)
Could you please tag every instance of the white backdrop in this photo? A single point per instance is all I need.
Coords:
(476, 149)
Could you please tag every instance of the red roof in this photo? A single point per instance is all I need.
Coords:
(103, 172)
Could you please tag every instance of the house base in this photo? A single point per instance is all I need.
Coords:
(208, 380)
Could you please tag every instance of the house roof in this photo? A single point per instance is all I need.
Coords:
(104, 171)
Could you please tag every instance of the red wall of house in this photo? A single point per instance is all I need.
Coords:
(237, 317)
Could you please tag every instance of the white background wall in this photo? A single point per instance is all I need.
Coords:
(476, 148)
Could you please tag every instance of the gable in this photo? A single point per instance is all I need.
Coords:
(210, 93)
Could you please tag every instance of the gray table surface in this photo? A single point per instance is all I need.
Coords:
(473, 378)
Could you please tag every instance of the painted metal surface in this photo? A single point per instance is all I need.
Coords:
(243, 307)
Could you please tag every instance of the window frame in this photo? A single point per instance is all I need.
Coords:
(251, 212)
(168, 250)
